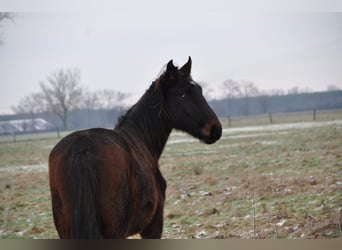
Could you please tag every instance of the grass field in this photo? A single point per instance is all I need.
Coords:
(259, 181)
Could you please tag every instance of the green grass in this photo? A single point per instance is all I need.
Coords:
(284, 183)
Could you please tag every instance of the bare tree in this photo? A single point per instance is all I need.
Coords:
(277, 92)
(293, 91)
(62, 93)
(296, 90)
(120, 99)
(333, 88)
(248, 89)
(111, 99)
(31, 104)
(231, 89)
(207, 90)
(90, 101)
(3, 17)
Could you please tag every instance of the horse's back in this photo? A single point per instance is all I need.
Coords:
(101, 146)
(100, 143)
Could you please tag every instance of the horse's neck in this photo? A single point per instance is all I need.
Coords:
(145, 123)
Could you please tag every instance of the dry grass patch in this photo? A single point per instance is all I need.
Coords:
(284, 183)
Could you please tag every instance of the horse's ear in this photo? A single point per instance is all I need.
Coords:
(186, 69)
(166, 78)
(171, 71)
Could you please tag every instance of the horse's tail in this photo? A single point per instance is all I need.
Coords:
(85, 222)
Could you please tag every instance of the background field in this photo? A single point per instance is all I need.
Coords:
(261, 180)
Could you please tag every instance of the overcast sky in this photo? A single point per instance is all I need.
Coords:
(125, 48)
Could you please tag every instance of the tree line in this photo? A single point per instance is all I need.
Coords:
(243, 98)
(66, 103)
(63, 96)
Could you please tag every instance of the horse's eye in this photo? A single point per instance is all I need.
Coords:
(183, 95)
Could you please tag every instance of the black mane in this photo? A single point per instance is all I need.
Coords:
(152, 90)
(144, 120)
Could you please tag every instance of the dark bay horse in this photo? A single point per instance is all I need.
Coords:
(107, 183)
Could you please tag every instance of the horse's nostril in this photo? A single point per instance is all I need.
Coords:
(215, 132)
(211, 132)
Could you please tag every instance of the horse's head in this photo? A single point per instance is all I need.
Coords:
(184, 104)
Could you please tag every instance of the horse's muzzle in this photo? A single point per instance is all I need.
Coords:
(211, 132)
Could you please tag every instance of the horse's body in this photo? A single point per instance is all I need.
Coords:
(107, 183)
